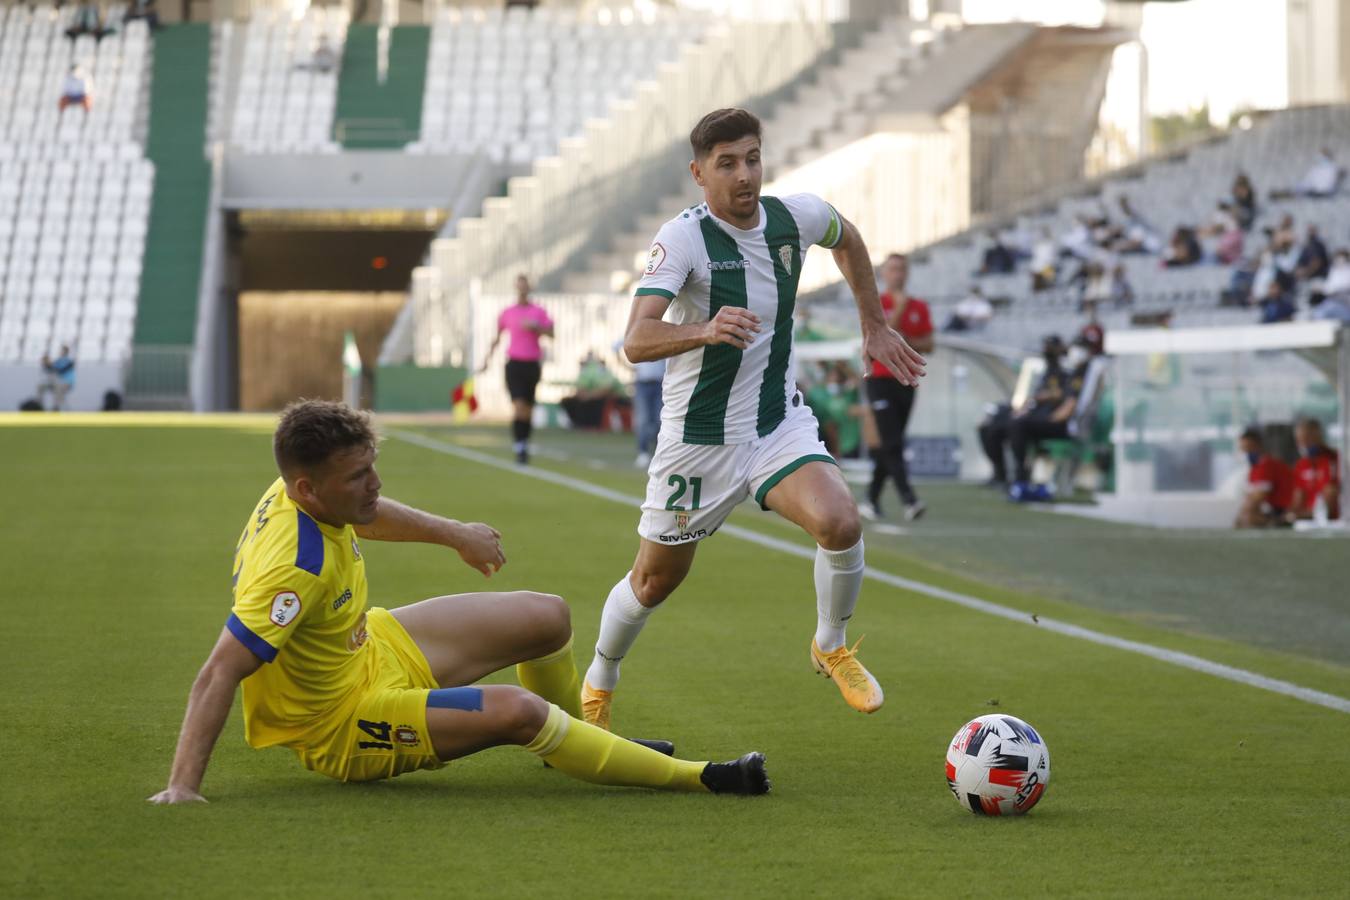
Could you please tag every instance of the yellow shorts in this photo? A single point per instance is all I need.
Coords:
(385, 733)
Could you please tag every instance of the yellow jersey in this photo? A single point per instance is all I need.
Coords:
(300, 606)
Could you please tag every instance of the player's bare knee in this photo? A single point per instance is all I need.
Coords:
(839, 530)
(552, 618)
(652, 587)
(520, 714)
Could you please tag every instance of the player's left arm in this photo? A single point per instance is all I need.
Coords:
(881, 342)
(478, 545)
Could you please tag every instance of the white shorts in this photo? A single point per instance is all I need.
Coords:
(692, 488)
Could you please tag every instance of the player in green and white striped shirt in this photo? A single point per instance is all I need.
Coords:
(716, 301)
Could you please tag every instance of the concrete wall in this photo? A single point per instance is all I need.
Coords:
(368, 179)
(20, 382)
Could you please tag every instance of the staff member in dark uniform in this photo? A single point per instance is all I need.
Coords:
(890, 400)
(526, 322)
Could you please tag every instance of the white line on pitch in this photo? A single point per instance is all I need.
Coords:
(1185, 660)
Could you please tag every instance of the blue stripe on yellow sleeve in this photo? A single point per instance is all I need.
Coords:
(308, 545)
(261, 649)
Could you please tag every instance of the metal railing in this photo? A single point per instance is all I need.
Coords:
(159, 377)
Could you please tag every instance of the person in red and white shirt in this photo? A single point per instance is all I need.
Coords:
(1316, 474)
(1270, 485)
(890, 400)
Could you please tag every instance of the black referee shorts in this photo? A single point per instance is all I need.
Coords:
(522, 377)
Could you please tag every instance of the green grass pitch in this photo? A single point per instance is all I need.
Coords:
(117, 548)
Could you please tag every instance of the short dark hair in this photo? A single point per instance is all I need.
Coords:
(721, 126)
(311, 431)
(1253, 433)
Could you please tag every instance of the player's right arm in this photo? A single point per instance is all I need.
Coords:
(208, 706)
(648, 337)
(496, 339)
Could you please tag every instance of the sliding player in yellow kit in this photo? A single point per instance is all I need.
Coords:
(361, 694)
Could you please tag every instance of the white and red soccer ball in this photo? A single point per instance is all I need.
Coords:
(998, 765)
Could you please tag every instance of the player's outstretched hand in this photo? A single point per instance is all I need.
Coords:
(886, 346)
(480, 546)
(176, 795)
(733, 325)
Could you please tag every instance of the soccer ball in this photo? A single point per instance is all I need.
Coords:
(997, 766)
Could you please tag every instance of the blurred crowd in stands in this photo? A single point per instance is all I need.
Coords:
(1270, 270)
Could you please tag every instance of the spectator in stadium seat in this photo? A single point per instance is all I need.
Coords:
(972, 313)
(998, 258)
(88, 20)
(146, 10)
(1226, 234)
(325, 58)
(996, 428)
(1270, 485)
(596, 388)
(1137, 235)
(77, 90)
(1313, 261)
(1049, 419)
(1330, 298)
(1323, 179)
(1092, 335)
(1317, 474)
(1276, 306)
(1183, 249)
(1244, 201)
(1044, 257)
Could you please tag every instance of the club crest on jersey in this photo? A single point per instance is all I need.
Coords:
(357, 638)
(285, 608)
(785, 257)
(682, 521)
(406, 735)
(655, 258)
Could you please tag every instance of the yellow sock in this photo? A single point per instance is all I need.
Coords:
(554, 677)
(592, 754)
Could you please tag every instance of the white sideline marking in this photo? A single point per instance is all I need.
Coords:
(1175, 657)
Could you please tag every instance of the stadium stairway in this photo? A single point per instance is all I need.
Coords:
(836, 108)
(371, 115)
(167, 314)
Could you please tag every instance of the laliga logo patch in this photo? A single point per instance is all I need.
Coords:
(357, 639)
(285, 608)
(655, 258)
(356, 551)
(785, 257)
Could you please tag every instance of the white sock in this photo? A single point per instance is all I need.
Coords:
(839, 577)
(620, 624)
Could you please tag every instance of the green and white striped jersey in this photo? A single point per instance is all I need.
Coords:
(720, 394)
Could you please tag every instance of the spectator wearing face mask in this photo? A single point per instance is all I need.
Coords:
(1316, 475)
(1270, 484)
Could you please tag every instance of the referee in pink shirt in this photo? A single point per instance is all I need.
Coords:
(526, 322)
